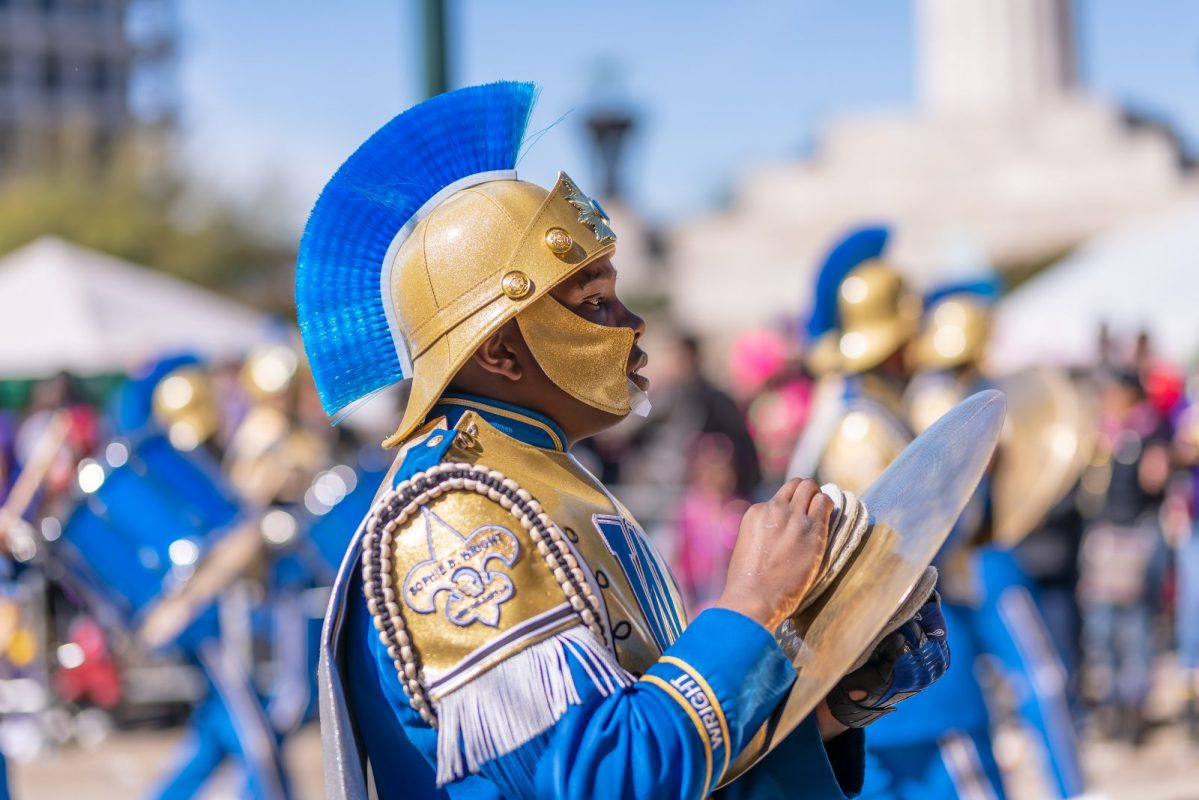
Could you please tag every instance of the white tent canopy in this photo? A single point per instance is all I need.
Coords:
(64, 307)
(1144, 276)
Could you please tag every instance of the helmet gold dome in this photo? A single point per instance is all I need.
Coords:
(475, 262)
(954, 333)
(877, 315)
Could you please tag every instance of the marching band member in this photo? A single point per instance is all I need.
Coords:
(175, 396)
(500, 614)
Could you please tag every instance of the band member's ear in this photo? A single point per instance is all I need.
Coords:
(498, 355)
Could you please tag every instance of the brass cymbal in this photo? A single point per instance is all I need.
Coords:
(1049, 421)
(912, 506)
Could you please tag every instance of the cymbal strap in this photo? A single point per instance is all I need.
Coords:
(847, 530)
(848, 526)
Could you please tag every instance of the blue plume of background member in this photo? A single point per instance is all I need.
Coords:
(985, 289)
(860, 245)
(377, 190)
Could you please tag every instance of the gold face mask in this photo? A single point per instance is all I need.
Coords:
(587, 361)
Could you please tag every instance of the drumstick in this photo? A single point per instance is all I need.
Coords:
(30, 478)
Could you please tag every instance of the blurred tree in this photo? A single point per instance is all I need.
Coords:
(133, 207)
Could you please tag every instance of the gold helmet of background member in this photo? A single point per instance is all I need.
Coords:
(878, 314)
(477, 260)
(270, 372)
(954, 334)
(184, 403)
(270, 457)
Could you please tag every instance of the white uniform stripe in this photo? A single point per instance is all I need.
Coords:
(965, 767)
(1048, 677)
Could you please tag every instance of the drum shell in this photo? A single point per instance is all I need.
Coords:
(117, 540)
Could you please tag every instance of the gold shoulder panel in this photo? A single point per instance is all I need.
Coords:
(865, 442)
(462, 569)
(641, 603)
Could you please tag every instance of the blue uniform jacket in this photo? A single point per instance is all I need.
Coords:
(645, 740)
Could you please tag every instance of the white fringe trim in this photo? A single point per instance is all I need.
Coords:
(514, 701)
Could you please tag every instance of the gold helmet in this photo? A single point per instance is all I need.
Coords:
(424, 244)
(877, 315)
(481, 257)
(954, 334)
(184, 403)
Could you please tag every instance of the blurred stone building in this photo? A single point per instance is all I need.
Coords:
(82, 74)
(1004, 150)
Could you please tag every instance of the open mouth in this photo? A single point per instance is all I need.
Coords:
(639, 380)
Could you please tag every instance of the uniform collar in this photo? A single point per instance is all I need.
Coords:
(519, 423)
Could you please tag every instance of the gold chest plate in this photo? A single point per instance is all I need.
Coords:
(864, 444)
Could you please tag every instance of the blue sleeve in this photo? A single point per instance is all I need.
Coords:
(676, 730)
(1012, 632)
(672, 733)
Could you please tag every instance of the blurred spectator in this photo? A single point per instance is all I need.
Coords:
(708, 520)
(686, 405)
(1123, 557)
(50, 396)
(87, 672)
(714, 411)
(776, 393)
(1186, 543)
(1050, 557)
(757, 357)
(1163, 381)
(776, 418)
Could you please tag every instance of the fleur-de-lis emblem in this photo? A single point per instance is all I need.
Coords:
(591, 213)
(462, 567)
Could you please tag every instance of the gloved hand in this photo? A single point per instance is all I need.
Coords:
(902, 663)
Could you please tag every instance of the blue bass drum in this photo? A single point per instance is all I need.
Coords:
(156, 535)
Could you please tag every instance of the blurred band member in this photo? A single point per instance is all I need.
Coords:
(863, 316)
(1123, 558)
(941, 746)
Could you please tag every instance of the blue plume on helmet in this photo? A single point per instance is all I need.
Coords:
(377, 190)
(986, 289)
(860, 245)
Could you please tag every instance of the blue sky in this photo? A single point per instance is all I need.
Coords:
(275, 93)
